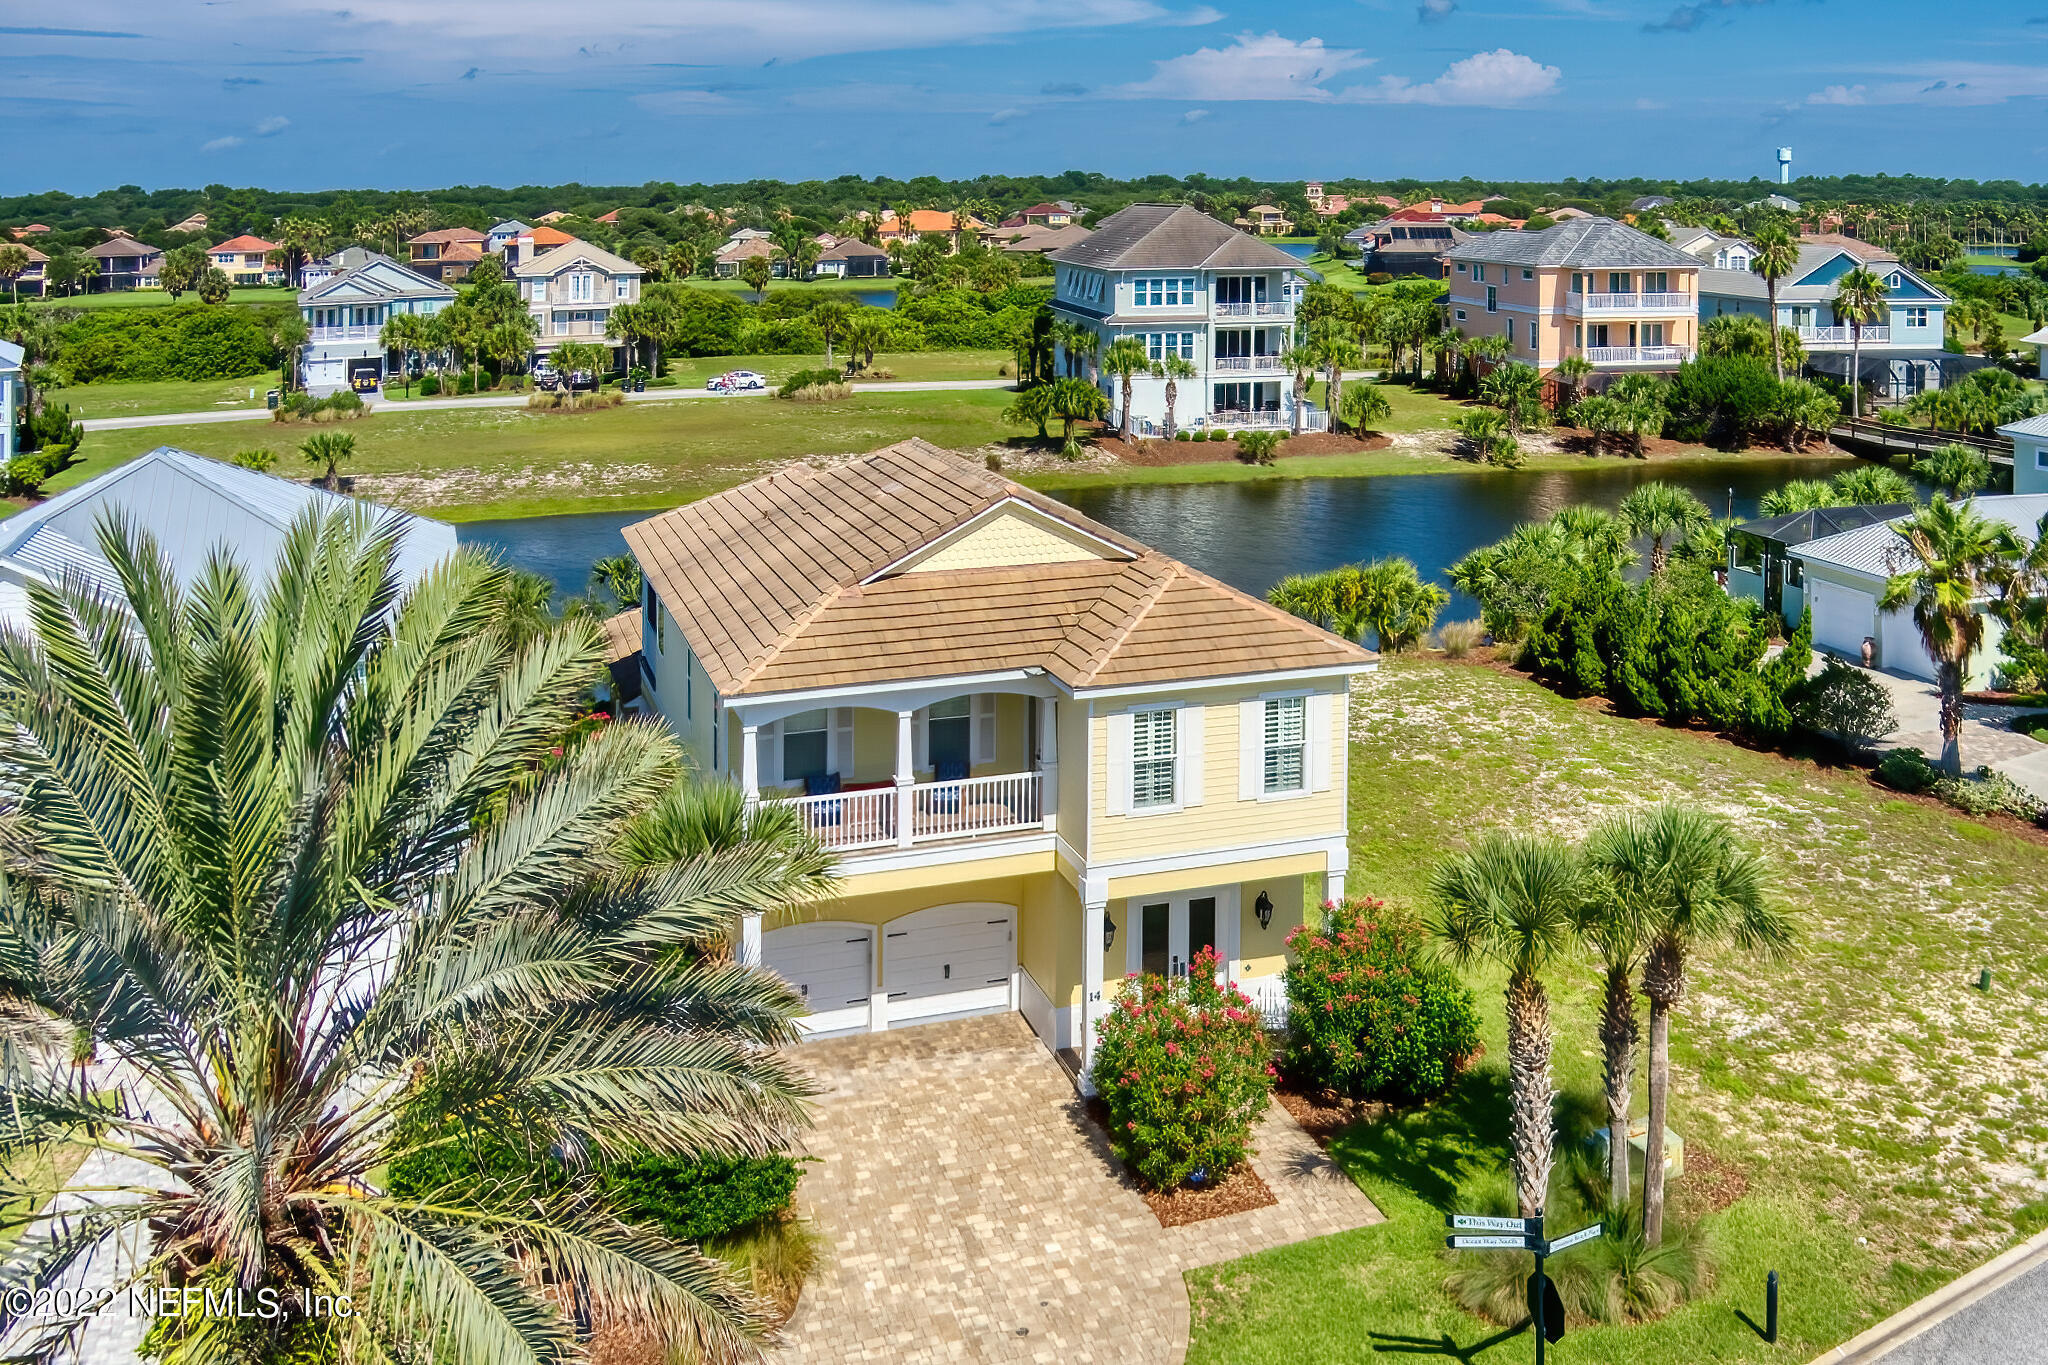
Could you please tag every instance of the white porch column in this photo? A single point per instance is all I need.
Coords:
(1339, 862)
(906, 774)
(1093, 912)
(1049, 760)
(750, 939)
(750, 761)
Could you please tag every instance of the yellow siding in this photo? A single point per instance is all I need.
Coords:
(1267, 871)
(874, 745)
(1222, 820)
(1005, 540)
(1076, 763)
(855, 883)
(1049, 938)
(1263, 952)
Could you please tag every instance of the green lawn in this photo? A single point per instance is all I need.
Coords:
(508, 461)
(886, 284)
(157, 298)
(1344, 274)
(691, 372)
(1887, 1117)
(151, 398)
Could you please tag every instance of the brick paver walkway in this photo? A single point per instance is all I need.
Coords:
(974, 1215)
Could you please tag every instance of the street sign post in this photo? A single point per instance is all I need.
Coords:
(1485, 1233)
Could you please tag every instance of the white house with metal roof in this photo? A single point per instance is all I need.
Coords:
(1845, 576)
(345, 313)
(1185, 284)
(1902, 351)
(10, 389)
(192, 507)
(2029, 453)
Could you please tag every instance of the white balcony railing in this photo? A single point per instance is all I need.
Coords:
(1638, 355)
(880, 817)
(343, 333)
(1266, 364)
(1843, 336)
(1312, 418)
(1618, 303)
(1275, 309)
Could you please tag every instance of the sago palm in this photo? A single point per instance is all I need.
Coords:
(1952, 561)
(329, 449)
(1514, 900)
(1695, 885)
(315, 870)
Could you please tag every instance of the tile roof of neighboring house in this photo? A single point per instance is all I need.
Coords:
(849, 249)
(926, 220)
(122, 246)
(446, 235)
(782, 584)
(622, 635)
(1873, 550)
(1591, 242)
(562, 257)
(548, 236)
(1651, 201)
(245, 242)
(1797, 528)
(1033, 238)
(748, 247)
(551, 216)
(611, 217)
(195, 223)
(1172, 237)
(458, 252)
(1855, 246)
(35, 257)
(32, 227)
(1812, 256)
(510, 227)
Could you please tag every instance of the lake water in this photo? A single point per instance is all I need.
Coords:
(1251, 535)
(1300, 251)
(875, 298)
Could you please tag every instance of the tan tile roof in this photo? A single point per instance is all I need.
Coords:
(453, 234)
(1171, 237)
(622, 635)
(768, 582)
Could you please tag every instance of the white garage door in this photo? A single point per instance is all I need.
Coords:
(950, 960)
(1842, 617)
(1901, 648)
(832, 963)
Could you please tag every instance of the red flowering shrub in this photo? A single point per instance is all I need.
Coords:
(1367, 1015)
(1184, 1069)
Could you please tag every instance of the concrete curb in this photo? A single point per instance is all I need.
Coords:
(1944, 1303)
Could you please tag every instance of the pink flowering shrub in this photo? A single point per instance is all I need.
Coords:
(1368, 1016)
(1184, 1069)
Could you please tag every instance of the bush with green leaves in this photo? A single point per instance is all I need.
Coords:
(1907, 770)
(1724, 401)
(1843, 701)
(256, 458)
(1369, 1015)
(1258, 447)
(804, 379)
(1218, 434)
(1182, 1068)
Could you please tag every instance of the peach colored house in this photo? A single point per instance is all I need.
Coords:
(1590, 287)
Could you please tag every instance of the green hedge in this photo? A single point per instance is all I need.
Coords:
(190, 341)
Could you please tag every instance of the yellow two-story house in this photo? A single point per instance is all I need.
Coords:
(1049, 756)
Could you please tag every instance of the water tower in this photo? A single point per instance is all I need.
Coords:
(1784, 165)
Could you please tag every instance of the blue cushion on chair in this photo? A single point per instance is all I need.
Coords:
(824, 784)
(949, 770)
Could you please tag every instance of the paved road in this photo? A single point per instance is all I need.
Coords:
(2009, 1325)
(510, 400)
(1987, 737)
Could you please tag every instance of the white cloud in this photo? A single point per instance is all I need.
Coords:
(1838, 94)
(1253, 67)
(273, 125)
(1002, 116)
(1492, 79)
(1196, 17)
(1194, 116)
(220, 144)
(1431, 10)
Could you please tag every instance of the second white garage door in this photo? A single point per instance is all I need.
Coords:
(1900, 647)
(950, 960)
(832, 964)
(1842, 617)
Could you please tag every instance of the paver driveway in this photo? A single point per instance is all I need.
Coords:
(974, 1215)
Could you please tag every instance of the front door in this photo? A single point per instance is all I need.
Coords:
(1171, 930)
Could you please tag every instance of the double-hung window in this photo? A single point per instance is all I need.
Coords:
(580, 290)
(1286, 745)
(1159, 345)
(624, 288)
(1492, 299)
(1153, 757)
(1532, 336)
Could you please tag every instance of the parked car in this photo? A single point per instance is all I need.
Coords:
(545, 378)
(736, 381)
(583, 380)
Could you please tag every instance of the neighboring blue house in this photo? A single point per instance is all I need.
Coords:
(10, 389)
(1902, 352)
(346, 302)
(2029, 454)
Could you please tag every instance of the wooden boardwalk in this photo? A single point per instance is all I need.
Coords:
(1915, 440)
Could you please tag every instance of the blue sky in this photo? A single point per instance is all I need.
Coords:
(422, 93)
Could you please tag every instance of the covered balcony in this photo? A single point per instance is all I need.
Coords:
(972, 766)
(1630, 303)
(1880, 335)
(1638, 355)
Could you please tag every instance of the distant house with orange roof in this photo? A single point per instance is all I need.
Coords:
(30, 281)
(246, 260)
(1328, 205)
(22, 234)
(551, 216)
(446, 253)
(935, 224)
(611, 217)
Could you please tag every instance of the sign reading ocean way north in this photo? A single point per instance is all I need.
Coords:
(1494, 1241)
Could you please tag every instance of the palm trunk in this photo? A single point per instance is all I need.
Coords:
(1333, 389)
(1777, 342)
(1952, 717)
(1856, 370)
(1618, 1043)
(1172, 392)
(1300, 394)
(1530, 1127)
(1663, 982)
(1125, 425)
(1659, 556)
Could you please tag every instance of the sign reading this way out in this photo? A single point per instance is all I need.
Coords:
(1473, 1222)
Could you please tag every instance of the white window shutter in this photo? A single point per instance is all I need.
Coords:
(1119, 762)
(840, 743)
(920, 727)
(1188, 752)
(1319, 741)
(1251, 749)
(982, 748)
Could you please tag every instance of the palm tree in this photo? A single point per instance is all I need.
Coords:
(1958, 559)
(1696, 885)
(755, 270)
(1077, 342)
(13, 262)
(1613, 921)
(1572, 372)
(1126, 359)
(681, 260)
(299, 863)
(1514, 900)
(618, 575)
(1871, 485)
(288, 334)
(1173, 367)
(329, 448)
(1301, 360)
(1364, 404)
(1859, 298)
(404, 333)
(830, 317)
(1666, 514)
(1775, 257)
(1954, 468)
